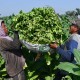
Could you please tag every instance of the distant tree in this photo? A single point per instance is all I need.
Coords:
(78, 11)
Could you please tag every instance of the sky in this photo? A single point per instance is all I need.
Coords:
(8, 7)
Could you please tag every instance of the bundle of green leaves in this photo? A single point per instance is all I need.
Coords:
(41, 25)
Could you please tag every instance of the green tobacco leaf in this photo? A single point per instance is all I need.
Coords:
(77, 55)
(48, 78)
(48, 59)
(69, 67)
(67, 78)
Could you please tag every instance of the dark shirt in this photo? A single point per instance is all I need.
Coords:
(11, 52)
(67, 50)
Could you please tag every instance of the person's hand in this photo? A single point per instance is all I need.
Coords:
(53, 45)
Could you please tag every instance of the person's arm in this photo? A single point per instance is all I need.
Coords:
(67, 54)
(6, 44)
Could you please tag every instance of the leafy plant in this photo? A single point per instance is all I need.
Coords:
(2, 69)
(41, 25)
(72, 68)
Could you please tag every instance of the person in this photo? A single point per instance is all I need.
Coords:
(10, 49)
(3, 28)
(66, 51)
(4, 31)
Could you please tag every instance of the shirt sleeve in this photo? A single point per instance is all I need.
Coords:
(6, 44)
(68, 54)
